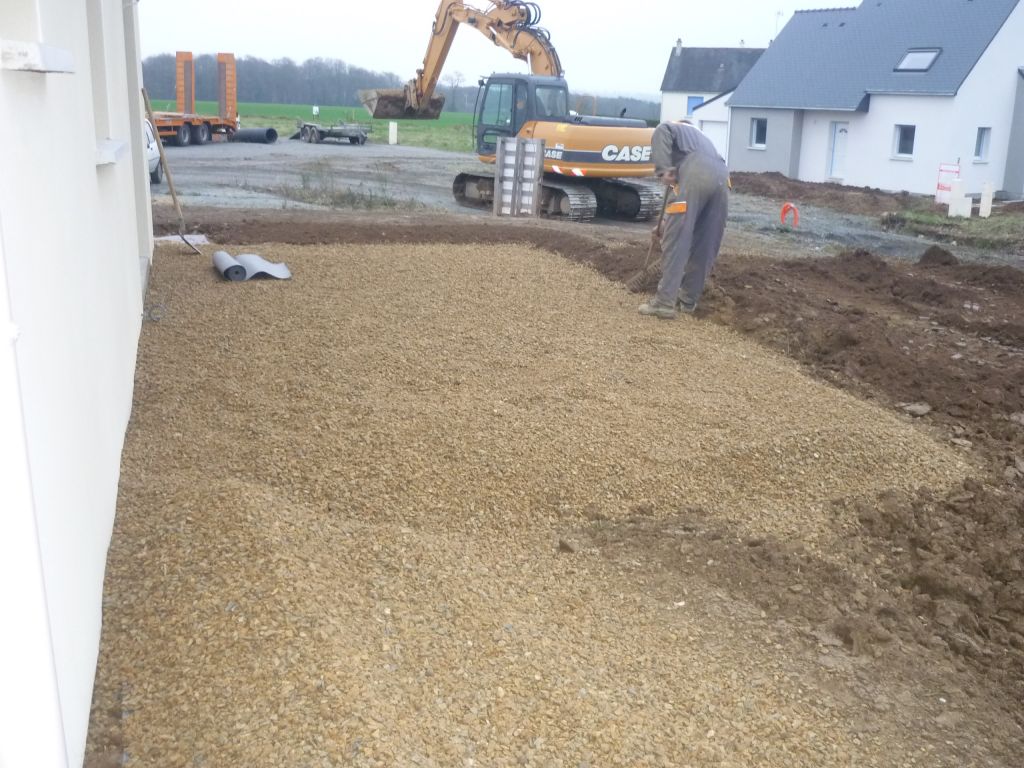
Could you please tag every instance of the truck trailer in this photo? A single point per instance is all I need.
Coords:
(185, 126)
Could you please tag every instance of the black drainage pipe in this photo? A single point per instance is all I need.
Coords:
(255, 135)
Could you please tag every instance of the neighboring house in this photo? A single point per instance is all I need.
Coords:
(696, 75)
(75, 245)
(882, 94)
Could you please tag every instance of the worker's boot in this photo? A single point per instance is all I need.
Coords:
(657, 309)
(686, 308)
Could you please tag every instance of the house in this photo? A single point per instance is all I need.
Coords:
(882, 94)
(75, 246)
(696, 76)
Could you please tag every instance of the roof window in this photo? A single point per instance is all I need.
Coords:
(918, 60)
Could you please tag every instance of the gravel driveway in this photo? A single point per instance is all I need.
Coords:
(350, 516)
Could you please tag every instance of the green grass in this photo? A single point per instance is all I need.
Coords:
(1002, 232)
(451, 131)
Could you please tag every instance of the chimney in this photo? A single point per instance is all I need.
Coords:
(679, 46)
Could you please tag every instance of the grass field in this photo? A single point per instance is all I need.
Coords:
(452, 131)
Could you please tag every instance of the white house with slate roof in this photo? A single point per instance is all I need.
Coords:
(697, 75)
(882, 94)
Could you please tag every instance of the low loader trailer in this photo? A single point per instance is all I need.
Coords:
(185, 126)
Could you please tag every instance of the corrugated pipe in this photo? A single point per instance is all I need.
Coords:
(254, 135)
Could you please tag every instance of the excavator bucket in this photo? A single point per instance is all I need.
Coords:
(391, 104)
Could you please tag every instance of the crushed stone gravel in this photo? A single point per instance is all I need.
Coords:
(338, 533)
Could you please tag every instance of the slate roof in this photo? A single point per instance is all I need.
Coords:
(836, 58)
(708, 70)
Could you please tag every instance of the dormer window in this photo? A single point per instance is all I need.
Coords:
(918, 60)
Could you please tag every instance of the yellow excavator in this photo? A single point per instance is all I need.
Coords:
(592, 165)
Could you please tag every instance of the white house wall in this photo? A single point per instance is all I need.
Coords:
(946, 129)
(71, 252)
(986, 99)
(673, 103)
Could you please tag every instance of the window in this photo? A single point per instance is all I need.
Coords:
(497, 105)
(552, 101)
(692, 102)
(903, 143)
(758, 132)
(918, 60)
(981, 145)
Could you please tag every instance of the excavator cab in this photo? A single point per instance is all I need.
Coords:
(506, 103)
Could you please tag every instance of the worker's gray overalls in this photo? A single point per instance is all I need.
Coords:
(690, 240)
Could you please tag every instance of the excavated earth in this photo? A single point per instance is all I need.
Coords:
(445, 499)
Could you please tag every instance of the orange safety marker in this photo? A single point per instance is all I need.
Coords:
(679, 207)
(787, 208)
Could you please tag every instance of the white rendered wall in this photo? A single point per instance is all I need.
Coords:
(816, 146)
(673, 103)
(986, 99)
(70, 253)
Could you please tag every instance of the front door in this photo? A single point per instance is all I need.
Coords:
(502, 113)
(837, 150)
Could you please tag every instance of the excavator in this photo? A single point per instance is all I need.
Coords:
(592, 165)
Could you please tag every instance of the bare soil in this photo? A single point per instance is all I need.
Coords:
(866, 200)
(925, 582)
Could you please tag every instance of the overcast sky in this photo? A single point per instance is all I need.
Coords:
(605, 47)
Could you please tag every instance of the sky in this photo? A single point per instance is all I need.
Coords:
(606, 48)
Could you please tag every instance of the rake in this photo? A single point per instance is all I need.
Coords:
(636, 281)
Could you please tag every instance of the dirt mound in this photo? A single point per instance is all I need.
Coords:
(937, 257)
(862, 200)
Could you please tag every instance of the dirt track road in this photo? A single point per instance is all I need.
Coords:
(288, 174)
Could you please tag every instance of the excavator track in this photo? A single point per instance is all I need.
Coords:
(568, 201)
(563, 200)
(626, 199)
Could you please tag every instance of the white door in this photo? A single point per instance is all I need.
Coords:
(718, 132)
(837, 154)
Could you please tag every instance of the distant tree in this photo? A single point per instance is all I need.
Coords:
(283, 81)
(453, 81)
(158, 76)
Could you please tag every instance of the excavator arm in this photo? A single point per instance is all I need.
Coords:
(509, 24)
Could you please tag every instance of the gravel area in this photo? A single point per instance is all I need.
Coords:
(341, 527)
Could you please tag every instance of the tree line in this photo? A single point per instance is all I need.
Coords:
(332, 82)
(282, 81)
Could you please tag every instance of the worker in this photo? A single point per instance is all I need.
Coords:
(316, 111)
(694, 222)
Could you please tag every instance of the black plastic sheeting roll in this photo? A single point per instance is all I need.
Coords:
(255, 135)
